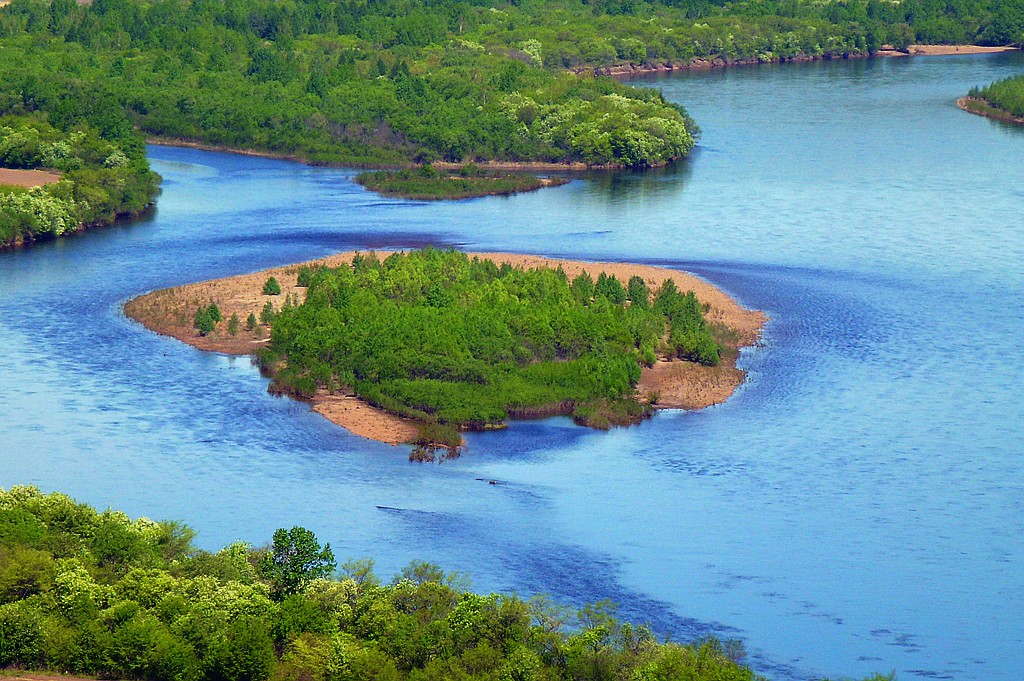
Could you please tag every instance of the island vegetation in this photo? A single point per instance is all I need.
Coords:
(94, 175)
(416, 347)
(104, 595)
(428, 183)
(1003, 100)
(456, 343)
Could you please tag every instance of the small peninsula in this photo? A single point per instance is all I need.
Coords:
(1003, 100)
(414, 347)
(428, 183)
(55, 182)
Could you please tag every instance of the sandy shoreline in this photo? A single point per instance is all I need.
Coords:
(987, 110)
(524, 166)
(679, 384)
(708, 63)
(945, 50)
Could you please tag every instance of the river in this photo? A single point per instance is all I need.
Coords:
(858, 506)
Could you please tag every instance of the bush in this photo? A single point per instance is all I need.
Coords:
(203, 321)
(272, 287)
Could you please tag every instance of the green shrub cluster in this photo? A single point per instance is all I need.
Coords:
(428, 183)
(1007, 95)
(103, 595)
(207, 317)
(441, 338)
(99, 180)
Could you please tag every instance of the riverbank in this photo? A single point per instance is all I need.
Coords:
(670, 384)
(981, 107)
(704, 64)
(521, 166)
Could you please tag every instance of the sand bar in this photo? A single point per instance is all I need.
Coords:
(679, 384)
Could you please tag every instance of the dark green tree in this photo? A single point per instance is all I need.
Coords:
(203, 322)
(272, 287)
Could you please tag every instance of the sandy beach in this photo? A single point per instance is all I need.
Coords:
(941, 50)
(678, 384)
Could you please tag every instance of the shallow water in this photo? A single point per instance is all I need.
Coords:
(858, 506)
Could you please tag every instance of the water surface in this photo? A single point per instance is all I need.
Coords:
(858, 506)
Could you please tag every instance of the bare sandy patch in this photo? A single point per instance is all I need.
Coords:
(677, 383)
(940, 50)
(26, 178)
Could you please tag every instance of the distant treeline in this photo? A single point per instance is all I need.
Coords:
(328, 82)
(456, 343)
(394, 81)
(103, 174)
(102, 595)
(1005, 95)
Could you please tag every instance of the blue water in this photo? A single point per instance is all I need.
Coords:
(858, 506)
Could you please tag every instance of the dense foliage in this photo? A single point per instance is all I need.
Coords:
(391, 81)
(429, 183)
(440, 338)
(101, 176)
(103, 595)
(328, 82)
(1005, 95)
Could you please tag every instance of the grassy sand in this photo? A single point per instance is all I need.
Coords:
(678, 384)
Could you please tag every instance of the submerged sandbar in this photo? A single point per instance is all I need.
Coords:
(677, 383)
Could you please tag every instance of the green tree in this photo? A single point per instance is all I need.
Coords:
(272, 287)
(233, 324)
(203, 322)
(295, 559)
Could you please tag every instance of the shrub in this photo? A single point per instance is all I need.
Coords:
(203, 322)
(272, 287)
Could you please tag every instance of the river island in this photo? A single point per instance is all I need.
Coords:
(461, 341)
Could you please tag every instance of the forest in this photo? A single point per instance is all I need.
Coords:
(1005, 96)
(399, 82)
(102, 174)
(410, 81)
(104, 595)
(457, 343)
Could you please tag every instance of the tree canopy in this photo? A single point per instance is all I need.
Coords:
(103, 595)
(463, 343)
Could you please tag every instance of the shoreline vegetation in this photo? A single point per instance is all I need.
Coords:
(628, 70)
(86, 594)
(396, 83)
(1002, 100)
(61, 176)
(427, 183)
(665, 383)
